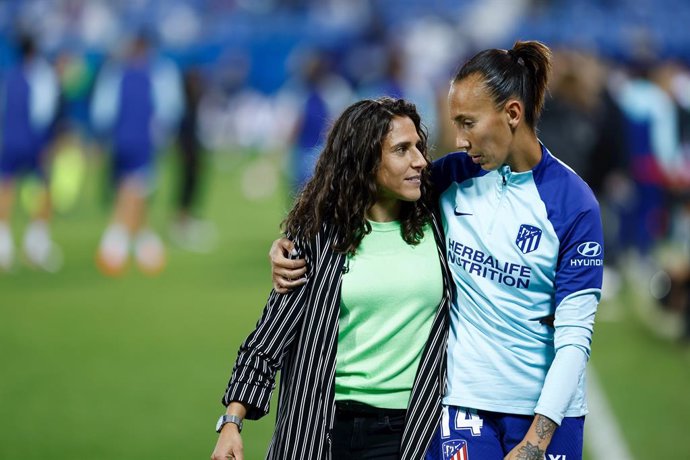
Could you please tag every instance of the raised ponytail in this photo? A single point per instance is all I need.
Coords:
(521, 72)
(536, 57)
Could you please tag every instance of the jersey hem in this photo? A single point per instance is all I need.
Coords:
(506, 408)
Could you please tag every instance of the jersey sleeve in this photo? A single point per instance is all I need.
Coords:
(574, 325)
(581, 256)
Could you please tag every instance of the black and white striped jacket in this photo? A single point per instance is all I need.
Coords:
(298, 333)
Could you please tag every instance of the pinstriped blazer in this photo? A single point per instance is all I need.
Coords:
(298, 333)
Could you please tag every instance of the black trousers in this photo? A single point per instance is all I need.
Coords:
(365, 432)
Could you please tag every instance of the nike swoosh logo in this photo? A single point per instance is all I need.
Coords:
(458, 213)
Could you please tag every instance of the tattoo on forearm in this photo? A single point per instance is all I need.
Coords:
(530, 452)
(544, 427)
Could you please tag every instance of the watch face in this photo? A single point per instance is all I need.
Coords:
(219, 423)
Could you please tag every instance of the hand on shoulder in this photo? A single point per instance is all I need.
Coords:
(287, 272)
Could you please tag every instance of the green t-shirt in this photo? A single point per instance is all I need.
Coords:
(389, 297)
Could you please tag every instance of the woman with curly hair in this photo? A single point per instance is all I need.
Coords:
(361, 345)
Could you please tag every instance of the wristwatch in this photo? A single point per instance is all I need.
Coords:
(228, 419)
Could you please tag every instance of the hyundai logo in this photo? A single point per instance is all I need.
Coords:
(589, 249)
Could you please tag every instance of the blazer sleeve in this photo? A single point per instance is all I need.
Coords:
(261, 355)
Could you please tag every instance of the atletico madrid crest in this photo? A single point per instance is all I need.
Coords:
(528, 238)
(455, 450)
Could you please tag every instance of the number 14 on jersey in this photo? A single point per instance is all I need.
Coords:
(464, 420)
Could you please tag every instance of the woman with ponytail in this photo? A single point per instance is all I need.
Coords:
(524, 243)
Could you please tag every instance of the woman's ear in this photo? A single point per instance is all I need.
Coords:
(513, 111)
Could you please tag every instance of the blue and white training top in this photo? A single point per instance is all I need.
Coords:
(524, 248)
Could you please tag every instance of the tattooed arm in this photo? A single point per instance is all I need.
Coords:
(535, 442)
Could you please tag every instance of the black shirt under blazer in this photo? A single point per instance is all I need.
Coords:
(298, 335)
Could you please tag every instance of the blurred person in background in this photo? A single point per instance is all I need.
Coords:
(392, 81)
(679, 82)
(671, 284)
(74, 141)
(654, 223)
(382, 63)
(226, 103)
(524, 244)
(582, 122)
(376, 62)
(28, 108)
(389, 73)
(575, 114)
(137, 102)
(360, 346)
(188, 231)
(319, 93)
(652, 144)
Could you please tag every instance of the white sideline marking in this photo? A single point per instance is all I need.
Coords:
(603, 437)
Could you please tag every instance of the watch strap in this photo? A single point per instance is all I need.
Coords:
(229, 419)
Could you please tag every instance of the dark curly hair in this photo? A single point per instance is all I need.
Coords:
(343, 186)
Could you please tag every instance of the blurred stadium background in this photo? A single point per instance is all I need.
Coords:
(134, 367)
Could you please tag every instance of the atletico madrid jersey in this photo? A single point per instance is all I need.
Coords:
(526, 253)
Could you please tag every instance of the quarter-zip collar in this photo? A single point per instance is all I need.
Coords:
(508, 176)
(505, 173)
